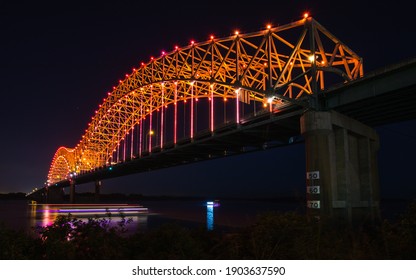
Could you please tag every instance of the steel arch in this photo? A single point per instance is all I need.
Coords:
(280, 65)
(63, 164)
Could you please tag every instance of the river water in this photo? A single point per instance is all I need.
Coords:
(20, 215)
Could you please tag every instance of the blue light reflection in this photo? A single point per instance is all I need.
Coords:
(210, 213)
(210, 217)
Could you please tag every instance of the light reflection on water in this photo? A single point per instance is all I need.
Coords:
(210, 217)
(210, 213)
(47, 220)
(42, 215)
(190, 213)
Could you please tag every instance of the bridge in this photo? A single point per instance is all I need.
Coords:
(243, 93)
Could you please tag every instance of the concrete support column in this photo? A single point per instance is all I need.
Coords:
(39, 196)
(72, 192)
(97, 191)
(54, 195)
(341, 166)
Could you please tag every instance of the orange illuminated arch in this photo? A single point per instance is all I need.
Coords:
(272, 65)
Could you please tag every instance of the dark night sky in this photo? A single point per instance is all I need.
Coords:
(58, 61)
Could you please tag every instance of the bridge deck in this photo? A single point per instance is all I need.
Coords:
(384, 96)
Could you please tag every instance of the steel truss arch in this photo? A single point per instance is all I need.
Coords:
(63, 164)
(280, 65)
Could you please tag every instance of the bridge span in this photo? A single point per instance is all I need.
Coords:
(243, 93)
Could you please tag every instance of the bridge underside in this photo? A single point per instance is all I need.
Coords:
(385, 96)
(265, 131)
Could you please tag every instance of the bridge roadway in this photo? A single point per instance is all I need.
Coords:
(381, 97)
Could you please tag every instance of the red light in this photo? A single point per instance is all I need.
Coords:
(305, 15)
(192, 42)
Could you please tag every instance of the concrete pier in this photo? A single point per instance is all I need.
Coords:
(97, 191)
(55, 195)
(72, 192)
(341, 165)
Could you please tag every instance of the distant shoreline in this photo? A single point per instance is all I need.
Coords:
(88, 196)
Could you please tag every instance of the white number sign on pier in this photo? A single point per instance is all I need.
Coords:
(313, 175)
(313, 189)
(314, 204)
